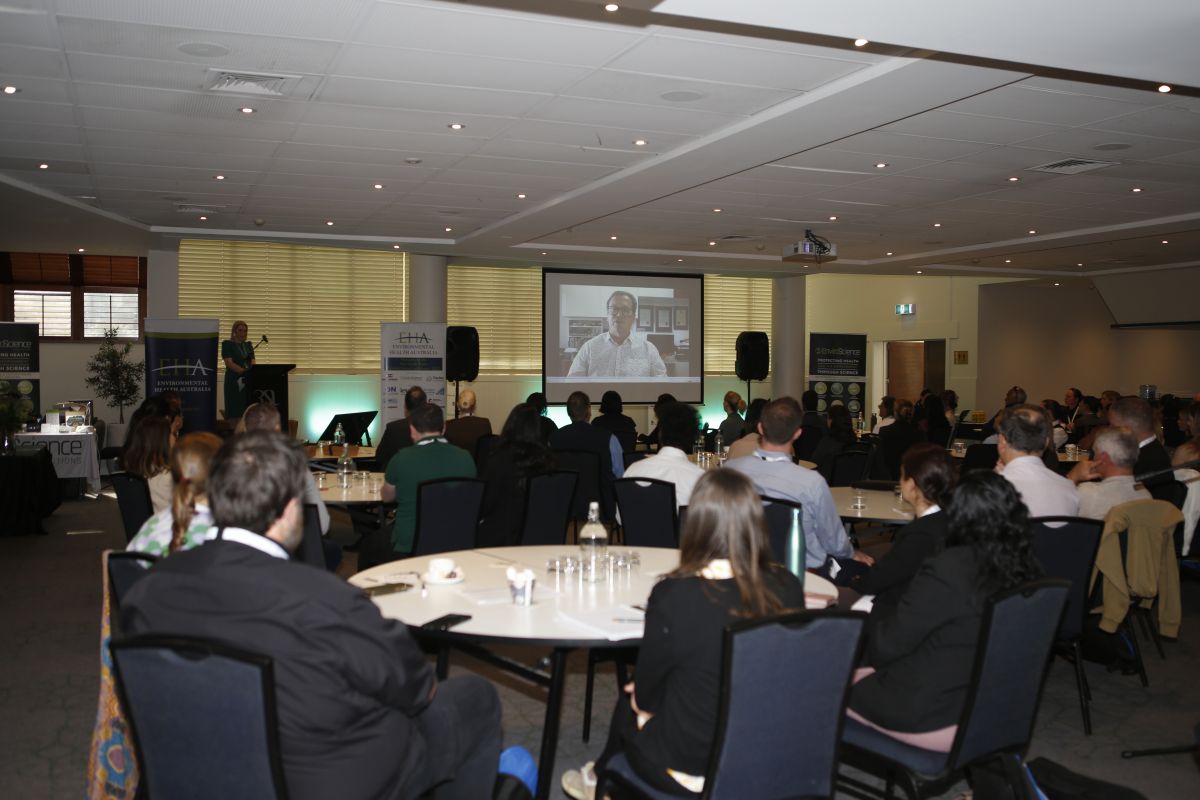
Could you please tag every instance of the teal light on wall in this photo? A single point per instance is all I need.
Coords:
(338, 397)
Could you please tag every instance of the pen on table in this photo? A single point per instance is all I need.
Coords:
(628, 619)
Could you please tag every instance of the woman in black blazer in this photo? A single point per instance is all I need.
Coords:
(926, 478)
(921, 650)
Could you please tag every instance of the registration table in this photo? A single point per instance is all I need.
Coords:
(879, 506)
(567, 613)
(74, 454)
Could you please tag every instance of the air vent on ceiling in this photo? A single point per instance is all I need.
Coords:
(263, 84)
(1073, 166)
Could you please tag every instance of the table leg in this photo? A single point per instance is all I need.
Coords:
(558, 677)
(443, 662)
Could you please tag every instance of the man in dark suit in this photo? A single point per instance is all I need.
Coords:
(360, 711)
(466, 430)
(813, 427)
(581, 435)
(1135, 415)
(895, 439)
(396, 436)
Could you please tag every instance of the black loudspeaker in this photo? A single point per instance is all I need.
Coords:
(753, 356)
(462, 353)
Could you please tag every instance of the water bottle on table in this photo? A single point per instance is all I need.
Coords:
(593, 544)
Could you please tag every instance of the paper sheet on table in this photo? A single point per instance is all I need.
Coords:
(611, 623)
(817, 600)
(864, 603)
(500, 595)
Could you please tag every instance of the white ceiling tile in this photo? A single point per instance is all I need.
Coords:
(211, 162)
(1166, 123)
(532, 167)
(151, 141)
(419, 144)
(34, 90)
(44, 151)
(1030, 103)
(614, 156)
(969, 128)
(348, 154)
(722, 98)
(366, 171)
(34, 62)
(283, 184)
(32, 132)
(419, 66)
(881, 143)
(478, 126)
(30, 30)
(1082, 142)
(802, 176)
(834, 159)
(1097, 89)
(664, 118)
(714, 61)
(312, 19)
(584, 135)
(426, 97)
(201, 123)
(218, 107)
(484, 32)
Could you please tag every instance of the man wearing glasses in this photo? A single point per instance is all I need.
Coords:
(619, 352)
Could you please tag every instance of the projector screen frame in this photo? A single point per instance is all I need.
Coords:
(633, 392)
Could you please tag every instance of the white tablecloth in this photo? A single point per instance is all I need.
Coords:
(75, 455)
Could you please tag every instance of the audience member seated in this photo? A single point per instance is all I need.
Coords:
(813, 427)
(651, 438)
(887, 413)
(895, 439)
(677, 424)
(187, 521)
(1058, 419)
(1107, 398)
(950, 404)
(1087, 420)
(1023, 435)
(167, 405)
(518, 456)
(548, 426)
(396, 435)
(731, 426)
(430, 457)
(920, 651)
(467, 429)
(749, 441)
(926, 478)
(613, 420)
(1136, 415)
(1014, 397)
(580, 435)
(934, 424)
(360, 711)
(1174, 432)
(666, 724)
(774, 475)
(1106, 480)
(837, 440)
(1071, 409)
(148, 455)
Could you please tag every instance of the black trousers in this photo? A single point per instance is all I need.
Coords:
(462, 735)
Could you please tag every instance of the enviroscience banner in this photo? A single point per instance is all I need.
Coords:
(181, 356)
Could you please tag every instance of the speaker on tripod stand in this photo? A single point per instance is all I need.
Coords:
(753, 357)
(462, 356)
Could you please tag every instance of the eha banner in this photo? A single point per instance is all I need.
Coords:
(19, 363)
(410, 354)
(181, 356)
(837, 366)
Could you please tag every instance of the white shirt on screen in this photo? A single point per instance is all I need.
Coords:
(635, 357)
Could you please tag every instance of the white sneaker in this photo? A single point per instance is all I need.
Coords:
(581, 783)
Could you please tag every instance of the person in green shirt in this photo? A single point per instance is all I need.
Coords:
(238, 355)
(431, 457)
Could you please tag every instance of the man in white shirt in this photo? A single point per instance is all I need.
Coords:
(619, 352)
(1022, 434)
(677, 424)
(1107, 480)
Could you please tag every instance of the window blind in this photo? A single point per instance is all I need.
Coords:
(733, 305)
(50, 310)
(104, 310)
(505, 305)
(320, 306)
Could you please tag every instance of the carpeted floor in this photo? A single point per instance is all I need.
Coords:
(49, 637)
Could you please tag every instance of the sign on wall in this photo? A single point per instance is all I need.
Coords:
(20, 363)
(410, 354)
(181, 356)
(837, 364)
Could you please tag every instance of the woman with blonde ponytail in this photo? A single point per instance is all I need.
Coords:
(731, 426)
(186, 522)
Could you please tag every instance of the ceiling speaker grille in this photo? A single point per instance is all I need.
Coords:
(1073, 166)
(262, 84)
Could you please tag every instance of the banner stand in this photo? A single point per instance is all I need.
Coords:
(182, 356)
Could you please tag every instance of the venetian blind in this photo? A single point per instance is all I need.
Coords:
(505, 305)
(733, 305)
(50, 310)
(320, 306)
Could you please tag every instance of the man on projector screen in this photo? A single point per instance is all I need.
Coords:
(619, 352)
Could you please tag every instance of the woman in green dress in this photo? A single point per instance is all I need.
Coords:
(238, 355)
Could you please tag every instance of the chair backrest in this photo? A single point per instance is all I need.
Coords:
(203, 718)
(1015, 646)
(810, 437)
(1068, 551)
(779, 524)
(647, 509)
(311, 551)
(548, 501)
(447, 515)
(125, 568)
(588, 488)
(133, 500)
(627, 440)
(848, 466)
(483, 449)
(784, 684)
(980, 456)
(1173, 491)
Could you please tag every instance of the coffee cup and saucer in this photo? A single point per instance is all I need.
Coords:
(443, 572)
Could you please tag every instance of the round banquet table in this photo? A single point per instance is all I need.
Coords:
(881, 506)
(567, 612)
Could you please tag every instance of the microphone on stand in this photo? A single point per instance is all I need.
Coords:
(262, 341)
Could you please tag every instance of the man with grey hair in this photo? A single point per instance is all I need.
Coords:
(1107, 479)
(619, 352)
(1136, 415)
(1022, 434)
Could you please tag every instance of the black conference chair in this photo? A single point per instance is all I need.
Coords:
(311, 551)
(980, 456)
(133, 500)
(483, 449)
(632, 457)
(810, 437)
(849, 466)
(447, 515)
(647, 509)
(590, 487)
(779, 523)
(548, 502)
(1016, 644)
(125, 568)
(1069, 552)
(202, 716)
(784, 684)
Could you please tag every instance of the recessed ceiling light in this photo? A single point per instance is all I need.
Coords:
(833, 217)
(1164, 88)
(937, 224)
(395, 247)
(218, 177)
(881, 165)
(1008, 261)
(1079, 265)
(889, 252)
(246, 110)
(1057, 284)
(1013, 179)
(43, 166)
(861, 42)
(379, 186)
(203, 218)
(611, 7)
(448, 230)
(1032, 231)
(520, 195)
(1136, 189)
(204, 49)
(1166, 241)
(682, 96)
(329, 222)
(411, 161)
(81, 250)
(712, 244)
(919, 272)
(11, 90)
(456, 126)
(639, 142)
(613, 238)
(543, 252)
(716, 211)
(679, 260)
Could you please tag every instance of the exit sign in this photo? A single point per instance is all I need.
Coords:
(903, 309)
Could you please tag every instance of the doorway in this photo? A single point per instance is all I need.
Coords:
(916, 365)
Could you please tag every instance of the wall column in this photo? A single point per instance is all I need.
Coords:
(162, 281)
(427, 282)
(788, 342)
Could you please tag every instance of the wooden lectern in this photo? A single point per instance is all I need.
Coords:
(268, 383)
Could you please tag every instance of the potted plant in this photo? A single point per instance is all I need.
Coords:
(112, 376)
(15, 411)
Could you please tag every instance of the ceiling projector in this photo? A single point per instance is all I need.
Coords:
(812, 249)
